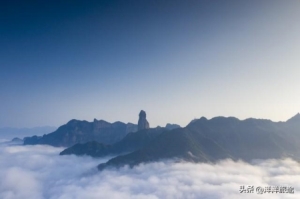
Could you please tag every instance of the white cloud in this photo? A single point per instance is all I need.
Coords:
(38, 172)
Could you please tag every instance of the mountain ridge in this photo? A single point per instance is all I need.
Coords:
(131, 142)
(204, 140)
(81, 131)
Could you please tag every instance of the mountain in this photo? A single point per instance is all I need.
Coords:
(17, 140)
(92, 148)
(143, 123)
(131, 128)
(295, 119)
(76, 131)
(172, 126)
(130, 143)
(206, 140)
(10, 133)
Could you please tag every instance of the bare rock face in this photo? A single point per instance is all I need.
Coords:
(143, 123)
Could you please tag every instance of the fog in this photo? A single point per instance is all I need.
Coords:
(38, 172)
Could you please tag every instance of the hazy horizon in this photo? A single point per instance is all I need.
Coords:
(177, 60)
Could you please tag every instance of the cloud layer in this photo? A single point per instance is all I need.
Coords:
(38, 172)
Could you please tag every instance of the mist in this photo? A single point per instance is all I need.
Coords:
(38, 172)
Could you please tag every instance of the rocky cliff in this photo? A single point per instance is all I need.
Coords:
(143, 123)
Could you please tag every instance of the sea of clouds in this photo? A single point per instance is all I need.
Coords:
(38, 172)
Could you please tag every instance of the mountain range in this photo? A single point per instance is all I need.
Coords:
(202, 140)
(101, 133)
(220, 138)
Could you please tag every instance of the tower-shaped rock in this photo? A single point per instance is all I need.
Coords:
(143, 123)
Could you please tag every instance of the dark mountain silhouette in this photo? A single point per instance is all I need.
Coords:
(130, 143)
(212, 140)
(76, 131)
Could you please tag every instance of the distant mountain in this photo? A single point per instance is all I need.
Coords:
(130, 143)
(212, 140)
(172, 126)
(76, 131)
(10, 133)
(17, 140)
(294, 119)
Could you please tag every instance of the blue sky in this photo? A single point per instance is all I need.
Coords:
(177, 60)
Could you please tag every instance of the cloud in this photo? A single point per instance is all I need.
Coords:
(38, 172)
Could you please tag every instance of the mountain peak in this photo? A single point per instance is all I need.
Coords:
(142, 123)
(295, 118)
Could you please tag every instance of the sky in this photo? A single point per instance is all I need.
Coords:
(177, 60)
(41, 170)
